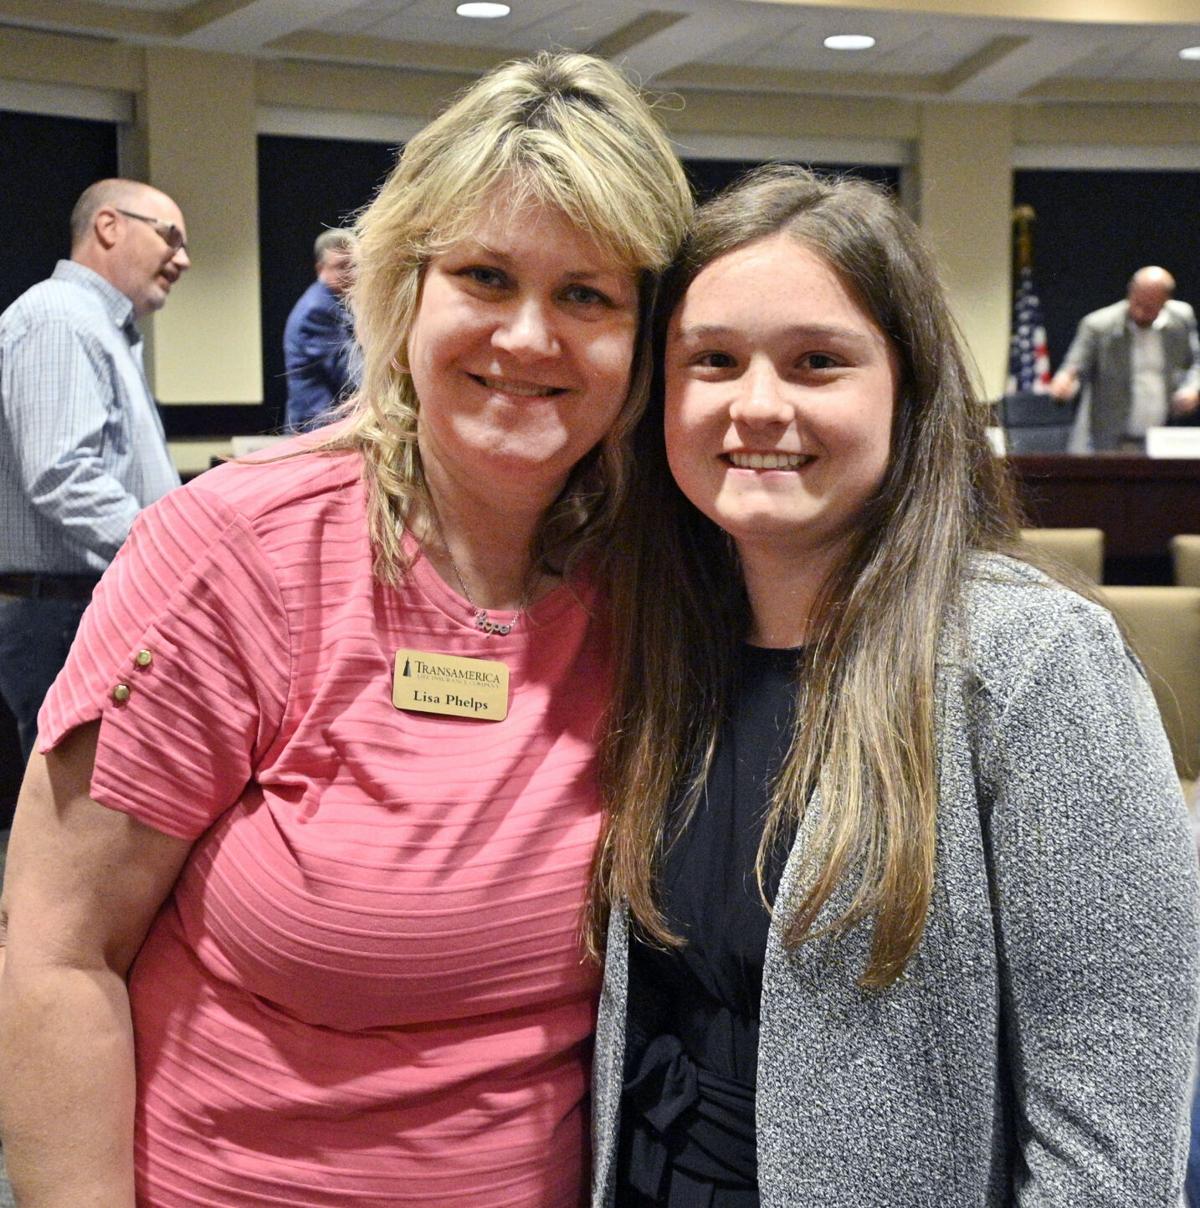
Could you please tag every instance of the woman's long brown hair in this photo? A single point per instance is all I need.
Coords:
(865, 733)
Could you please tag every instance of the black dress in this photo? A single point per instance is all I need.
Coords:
(687, 1110)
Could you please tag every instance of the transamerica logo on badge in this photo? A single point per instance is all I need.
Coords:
(447, 684)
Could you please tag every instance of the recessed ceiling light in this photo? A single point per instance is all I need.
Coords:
(483, 10)
(1190, 52)
(849, 42)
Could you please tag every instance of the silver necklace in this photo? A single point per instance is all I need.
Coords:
(483, 622)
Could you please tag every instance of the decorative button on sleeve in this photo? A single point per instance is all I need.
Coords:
(143, 658)
(121, 693)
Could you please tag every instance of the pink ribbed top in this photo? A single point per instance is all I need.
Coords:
(367, 986)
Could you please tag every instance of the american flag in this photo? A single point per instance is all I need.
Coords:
(1028, 356)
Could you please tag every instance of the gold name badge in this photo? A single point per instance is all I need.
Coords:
(445, 683)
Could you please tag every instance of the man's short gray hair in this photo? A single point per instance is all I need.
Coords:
(336, 239)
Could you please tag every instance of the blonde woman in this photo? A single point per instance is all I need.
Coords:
(904, 908)
(294, 887)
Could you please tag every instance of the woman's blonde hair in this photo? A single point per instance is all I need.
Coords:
(566, 131)
(866, 725)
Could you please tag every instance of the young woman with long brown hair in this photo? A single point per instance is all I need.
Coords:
(903, 911)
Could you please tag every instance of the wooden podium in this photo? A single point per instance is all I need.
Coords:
(1139, 502)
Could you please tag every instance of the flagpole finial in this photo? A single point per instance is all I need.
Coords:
(1023, 218)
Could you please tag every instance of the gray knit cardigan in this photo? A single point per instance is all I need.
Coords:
(1037, 1050)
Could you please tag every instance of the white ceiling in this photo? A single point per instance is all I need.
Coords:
(1002, 50)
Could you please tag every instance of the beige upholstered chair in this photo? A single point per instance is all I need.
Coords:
(1163, 625)
(1185, 555)
(1082, 549)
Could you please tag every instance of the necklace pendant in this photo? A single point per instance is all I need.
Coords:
(485, 624)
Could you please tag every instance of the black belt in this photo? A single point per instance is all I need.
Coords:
(49, 587)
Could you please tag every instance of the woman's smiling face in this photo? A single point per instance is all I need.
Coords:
(521, 349)
(780, 393)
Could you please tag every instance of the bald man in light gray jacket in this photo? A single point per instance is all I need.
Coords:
(1139, 363)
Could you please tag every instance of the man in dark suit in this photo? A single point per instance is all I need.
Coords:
(318, 337)
(1139, 361)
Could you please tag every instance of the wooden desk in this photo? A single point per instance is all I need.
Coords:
(1139, 502)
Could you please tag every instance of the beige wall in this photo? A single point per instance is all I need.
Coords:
(197, 116)
(196, 135)
(965, 209)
